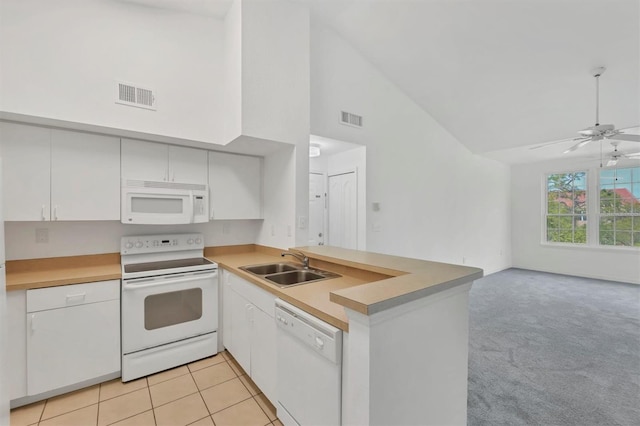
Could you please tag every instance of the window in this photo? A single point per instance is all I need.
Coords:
(620, 207)
(567, 208)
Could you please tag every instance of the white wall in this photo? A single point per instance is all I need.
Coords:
(79, 238)
(438, 201)
(279, 186)
(60, 60)
(528, 250)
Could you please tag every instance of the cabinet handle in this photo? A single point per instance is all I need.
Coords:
(42, 213)
(250, 313)
(76, 298)
(55, 212)
(33, 322)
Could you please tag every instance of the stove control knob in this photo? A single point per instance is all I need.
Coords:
(190, 241)
(128, 245)
(198, 240)
(139, 244)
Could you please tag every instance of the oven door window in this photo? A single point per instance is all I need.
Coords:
(176, 307)
(168, 205)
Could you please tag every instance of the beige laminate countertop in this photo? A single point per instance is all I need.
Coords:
(55, 271)
(370, 282)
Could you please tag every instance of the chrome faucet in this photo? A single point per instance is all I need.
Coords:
(298, 255)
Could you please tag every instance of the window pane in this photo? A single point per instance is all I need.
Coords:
(636, 239)
(553, 207)
(624, 223)
(623, 238)
(567, 207)
(636, 224)
(606, 238)
(580, 202)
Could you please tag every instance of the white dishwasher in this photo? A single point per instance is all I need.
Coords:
(309, 368)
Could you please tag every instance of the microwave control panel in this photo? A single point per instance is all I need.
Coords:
(160, 243)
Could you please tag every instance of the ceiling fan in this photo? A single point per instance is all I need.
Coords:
(616, 155)
(598, 131)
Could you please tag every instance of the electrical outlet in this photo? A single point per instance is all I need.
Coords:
(302, 222)
(42, 235)
(273, 231)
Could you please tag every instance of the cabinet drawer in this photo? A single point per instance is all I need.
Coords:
(264, 300)
(72, 295)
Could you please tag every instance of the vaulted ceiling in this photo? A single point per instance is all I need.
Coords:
(497, 74)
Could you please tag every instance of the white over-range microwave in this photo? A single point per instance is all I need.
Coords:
(163, 203)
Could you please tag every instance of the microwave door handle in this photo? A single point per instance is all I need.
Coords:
(193, 212)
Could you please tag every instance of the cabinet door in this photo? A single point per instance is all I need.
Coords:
(85, 176)
(235, 186)
(226, 309)
(187, 165)
(70, 345)
(240, 346)
(26, 162)
(17, 356)
(263, 353)
(144, 160)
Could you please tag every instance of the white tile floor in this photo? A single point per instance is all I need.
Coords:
(213, 391)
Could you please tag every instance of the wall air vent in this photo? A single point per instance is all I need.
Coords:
(350, 119)
(129, 94)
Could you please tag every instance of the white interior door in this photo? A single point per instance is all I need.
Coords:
(316, 209)
(343, 210)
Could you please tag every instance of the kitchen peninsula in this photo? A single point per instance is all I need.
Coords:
(405, 320)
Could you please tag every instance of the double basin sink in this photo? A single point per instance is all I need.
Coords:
(285, 274)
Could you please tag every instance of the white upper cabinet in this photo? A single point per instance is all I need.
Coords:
(26, 172)
(85, 176)
(164, 163)
(187, 165)
(59, 175)
(144, 160)
(235, 186)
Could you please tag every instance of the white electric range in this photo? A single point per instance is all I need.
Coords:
(169, 303)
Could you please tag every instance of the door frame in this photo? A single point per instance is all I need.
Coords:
(325, 218)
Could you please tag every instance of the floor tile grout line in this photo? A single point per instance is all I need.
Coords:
(263, 410)
(153, 413)
(66, 412)
(173, 400)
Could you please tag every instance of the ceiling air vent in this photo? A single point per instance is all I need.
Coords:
(350, 119)
(129, 94)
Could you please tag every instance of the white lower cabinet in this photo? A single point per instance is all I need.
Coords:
(249, 331)
(17, 356)
(72, 334)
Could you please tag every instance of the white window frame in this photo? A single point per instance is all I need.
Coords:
(545, 213)
(593, 213)
(597, 209)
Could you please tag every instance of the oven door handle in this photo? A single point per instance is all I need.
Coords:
(132, 285)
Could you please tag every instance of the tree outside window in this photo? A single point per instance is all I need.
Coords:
(567, 208)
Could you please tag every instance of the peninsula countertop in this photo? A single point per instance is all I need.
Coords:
(369, 282)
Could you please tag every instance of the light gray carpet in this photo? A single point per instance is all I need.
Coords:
(547, 349)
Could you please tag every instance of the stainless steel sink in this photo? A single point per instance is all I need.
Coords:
(271, 268)
(285, 274)
(294, 277)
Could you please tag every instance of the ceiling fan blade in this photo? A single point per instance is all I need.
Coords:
(553, 143)
(578, 145)
(625, 137)
(633, 155)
